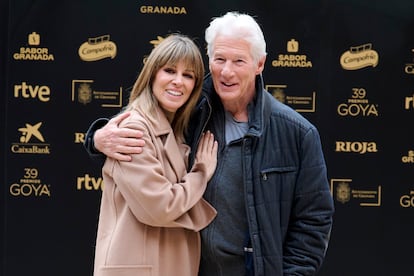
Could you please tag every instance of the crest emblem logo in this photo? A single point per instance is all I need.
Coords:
(343, 192)
(84, 93)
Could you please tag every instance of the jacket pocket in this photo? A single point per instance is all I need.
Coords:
(266, 173)
(278, 183)
(276, 193)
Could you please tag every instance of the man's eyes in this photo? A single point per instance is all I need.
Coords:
(222, 60)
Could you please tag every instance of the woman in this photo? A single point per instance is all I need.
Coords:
(152, 208)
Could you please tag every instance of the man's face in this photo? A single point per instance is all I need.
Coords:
(233, 70)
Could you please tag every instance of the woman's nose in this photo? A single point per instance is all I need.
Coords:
(178, 79)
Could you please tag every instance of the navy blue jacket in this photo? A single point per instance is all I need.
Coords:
(288, 200)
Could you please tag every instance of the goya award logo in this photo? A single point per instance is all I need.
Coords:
(97, 48)
(358, 105)
(30, 185)
(359, 57)
(407, 200)
(31, 141)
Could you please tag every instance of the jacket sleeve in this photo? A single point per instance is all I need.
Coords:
(312, 212)
(88, 142)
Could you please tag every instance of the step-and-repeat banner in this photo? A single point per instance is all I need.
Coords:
(347, 66)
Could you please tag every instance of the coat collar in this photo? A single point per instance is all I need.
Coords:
(176, 153)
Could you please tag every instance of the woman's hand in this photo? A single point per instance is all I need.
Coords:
(207, 153)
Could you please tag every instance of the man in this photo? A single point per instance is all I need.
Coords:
(270, 188)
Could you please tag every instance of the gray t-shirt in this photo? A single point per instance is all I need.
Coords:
(234, 129)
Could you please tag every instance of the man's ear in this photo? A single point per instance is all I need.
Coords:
(260, 65)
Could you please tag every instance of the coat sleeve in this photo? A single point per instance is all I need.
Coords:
(88, 142)
(312, 212)
(152, 197)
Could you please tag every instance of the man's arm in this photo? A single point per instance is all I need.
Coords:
(312, 214)
(105, 138)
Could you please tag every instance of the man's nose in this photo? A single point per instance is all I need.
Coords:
(227, 69)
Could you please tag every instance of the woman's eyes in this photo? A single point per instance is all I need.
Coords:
(173, 71)
(169, 70)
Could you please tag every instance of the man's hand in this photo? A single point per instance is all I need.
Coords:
(117, 142)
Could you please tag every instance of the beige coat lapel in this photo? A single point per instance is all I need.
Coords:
(175, 154)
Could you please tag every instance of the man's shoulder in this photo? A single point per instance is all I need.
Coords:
(282, 112)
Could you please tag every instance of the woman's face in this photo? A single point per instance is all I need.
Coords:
(173, 85)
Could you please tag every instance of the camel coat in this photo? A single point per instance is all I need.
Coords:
(151, 208)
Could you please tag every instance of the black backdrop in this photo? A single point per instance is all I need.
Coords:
(348, 66)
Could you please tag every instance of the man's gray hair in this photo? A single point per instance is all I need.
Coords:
(237, 25)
